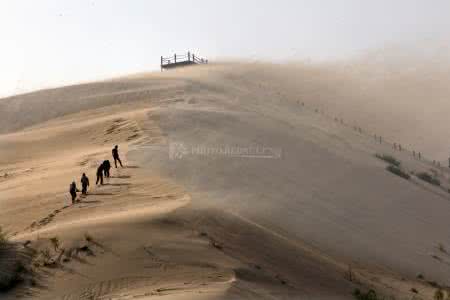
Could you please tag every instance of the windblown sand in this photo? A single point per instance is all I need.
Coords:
(241, 181)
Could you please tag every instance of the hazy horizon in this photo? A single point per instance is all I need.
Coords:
(50, 43)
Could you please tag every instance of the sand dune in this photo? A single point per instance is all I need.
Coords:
(242, 181)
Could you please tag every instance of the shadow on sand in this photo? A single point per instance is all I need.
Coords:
(122, 176)
(118, 184)
(90, 201)
(101, 194)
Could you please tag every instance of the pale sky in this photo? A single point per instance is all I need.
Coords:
(47, 43)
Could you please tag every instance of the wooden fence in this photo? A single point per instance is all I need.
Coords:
(178, 60)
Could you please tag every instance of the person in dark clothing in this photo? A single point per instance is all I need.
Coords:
(100, 171)
(73, 191)
(84, 184)
(115, 154)
(106, 168)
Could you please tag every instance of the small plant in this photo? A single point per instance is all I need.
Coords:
(428, 178)
(2, 238)
(55, 242)
(438, 295)
(14, 263)
(46, 256)
(9, 281)
(349, 274)
(88, 238)
(389, 159)
(397, 171)
(370, 295)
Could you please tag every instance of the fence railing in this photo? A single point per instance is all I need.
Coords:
(186, 58)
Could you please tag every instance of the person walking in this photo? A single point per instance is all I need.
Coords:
(106, 168)
(84, 184)
(100, 171)
(73, 191)
(115, 154)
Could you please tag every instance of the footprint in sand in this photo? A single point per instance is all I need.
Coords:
(133, 137)
(48, 219)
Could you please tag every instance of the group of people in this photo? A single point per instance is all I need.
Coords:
(102, 170)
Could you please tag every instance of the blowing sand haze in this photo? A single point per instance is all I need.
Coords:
(231, 188)
(228, 179)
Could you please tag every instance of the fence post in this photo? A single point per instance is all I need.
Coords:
(161, 63)
(175, 58)
(189, 56)
(193, 57)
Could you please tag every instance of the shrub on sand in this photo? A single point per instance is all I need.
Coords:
(397, 171)
(389, 159)
(428, 178)
(370, 295)
(2, 238)
(15, 264)
(11, 264)
(438, 295)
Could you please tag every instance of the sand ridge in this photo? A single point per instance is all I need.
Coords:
(304, 225)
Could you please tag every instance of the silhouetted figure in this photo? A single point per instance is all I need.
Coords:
(420, 155)
(106, 168)
(84, 184)
(115, 154)
(100, 171)
(73, 191)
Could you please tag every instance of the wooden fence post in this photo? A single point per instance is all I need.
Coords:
(161, 63)
(175, 58)
(189, 56)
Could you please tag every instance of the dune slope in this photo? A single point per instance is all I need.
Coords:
(240, 181)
